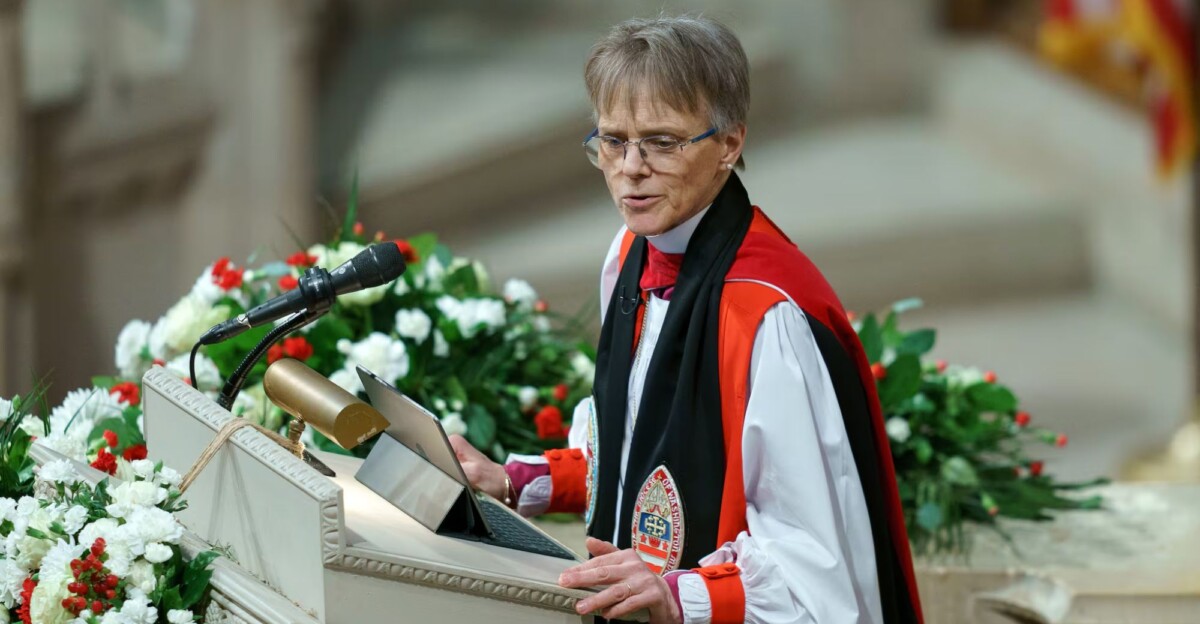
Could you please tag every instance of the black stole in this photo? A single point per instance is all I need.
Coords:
(679, 415)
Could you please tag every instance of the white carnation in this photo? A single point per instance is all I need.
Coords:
(132, 496)
(472, 315)
(413, 324)
(520, 293)
(208, 376)
(143, 468)
(541, 323)
(131, 342)
(59, 471)
(152, 524)
(347, 380)
(168, 477)
(56, 565)
(180, 616)
(897, 429)
(401, 287)
(8, 507)
(378, 353)
(68, 446)
(12, 577)
(74, 519)
(157, 553)
(103, 528)
(441, 348)
(435, 271)
(481, 275)
(206, 289)
(454, 424)
(5, 409)
(136, 610)
(45, 605)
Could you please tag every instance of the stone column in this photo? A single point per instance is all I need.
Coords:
(15, 344)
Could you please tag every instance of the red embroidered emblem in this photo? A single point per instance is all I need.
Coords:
(658, 522)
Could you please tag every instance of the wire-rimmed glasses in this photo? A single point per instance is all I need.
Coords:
(657, 151)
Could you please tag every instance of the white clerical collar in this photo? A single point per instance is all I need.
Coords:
(675, 240)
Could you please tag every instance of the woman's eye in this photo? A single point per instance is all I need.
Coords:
(662, 143)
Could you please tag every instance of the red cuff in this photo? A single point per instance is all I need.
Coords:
(725, 592)
(568, 476)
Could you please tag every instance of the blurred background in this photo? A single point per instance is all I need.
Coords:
(925, 148)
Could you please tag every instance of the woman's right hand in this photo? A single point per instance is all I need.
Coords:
(484, 474)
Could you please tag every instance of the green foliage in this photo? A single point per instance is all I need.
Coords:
(959, 452)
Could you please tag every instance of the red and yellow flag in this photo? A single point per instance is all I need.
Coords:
(1155, 38)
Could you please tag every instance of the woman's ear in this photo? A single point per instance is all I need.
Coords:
(732, 142)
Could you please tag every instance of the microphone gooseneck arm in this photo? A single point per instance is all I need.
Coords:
(233, 385)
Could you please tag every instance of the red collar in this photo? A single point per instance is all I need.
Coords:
(660, 271)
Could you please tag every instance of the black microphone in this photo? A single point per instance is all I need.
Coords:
(374, 266)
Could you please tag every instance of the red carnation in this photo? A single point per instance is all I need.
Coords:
(989, 377)
(105, 462)
(301, 259)
(127, 392)
(560, 392)
(135, 452)
(111, 438)
(1061, 440)
(358, 228)
(879, 371)
(219, 267)
(230, 279)
(942, 365)
(410, 254)
(298, 347)
(1035, 468)
(549, 423)
(274, 353)
(288, 282)
(541, 306)
(1022, 419)
(27, 588)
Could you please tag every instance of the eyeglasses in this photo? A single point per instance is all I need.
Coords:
(657, 151)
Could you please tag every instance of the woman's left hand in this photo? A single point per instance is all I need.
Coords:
(631, 585)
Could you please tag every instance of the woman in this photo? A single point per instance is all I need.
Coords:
(732, 466)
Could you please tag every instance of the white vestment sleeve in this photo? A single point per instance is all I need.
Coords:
(809, 555)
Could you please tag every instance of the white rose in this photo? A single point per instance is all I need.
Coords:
(378, 353)
(133, 339)
(180, 616)
(527, 396)
(131, 496)
(141, 573)
(183, 325)
(59, 471)
(157, 553)
(897, 429)
(208, 376)
(454, 424)
(582, 366)
(520, 293)
(413, 324)
(441, 348)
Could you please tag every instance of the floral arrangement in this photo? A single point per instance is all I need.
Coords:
(82, 553)
(489, 364)
(958, 440)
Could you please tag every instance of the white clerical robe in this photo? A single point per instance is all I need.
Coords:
(809, 555)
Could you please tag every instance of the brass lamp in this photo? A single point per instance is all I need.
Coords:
(311, 398)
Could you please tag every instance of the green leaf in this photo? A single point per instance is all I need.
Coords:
(170, 599)
(105, 381)
(903, 380)
(351, 211)
(989, 397)
(918, 342)
(923, 449)
(871, 338)
(423, 244)
(930, 516)
(196, 577)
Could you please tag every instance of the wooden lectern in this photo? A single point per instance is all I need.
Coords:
(338, 551)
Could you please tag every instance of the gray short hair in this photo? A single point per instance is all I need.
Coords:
(690, 63)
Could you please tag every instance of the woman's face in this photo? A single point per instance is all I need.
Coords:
(654, 200)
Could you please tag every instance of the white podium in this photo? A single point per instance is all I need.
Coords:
(310, 548)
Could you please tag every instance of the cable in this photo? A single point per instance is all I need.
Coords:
(192, 365)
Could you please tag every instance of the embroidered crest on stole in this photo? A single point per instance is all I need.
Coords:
(658, 522)
(592, 453)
